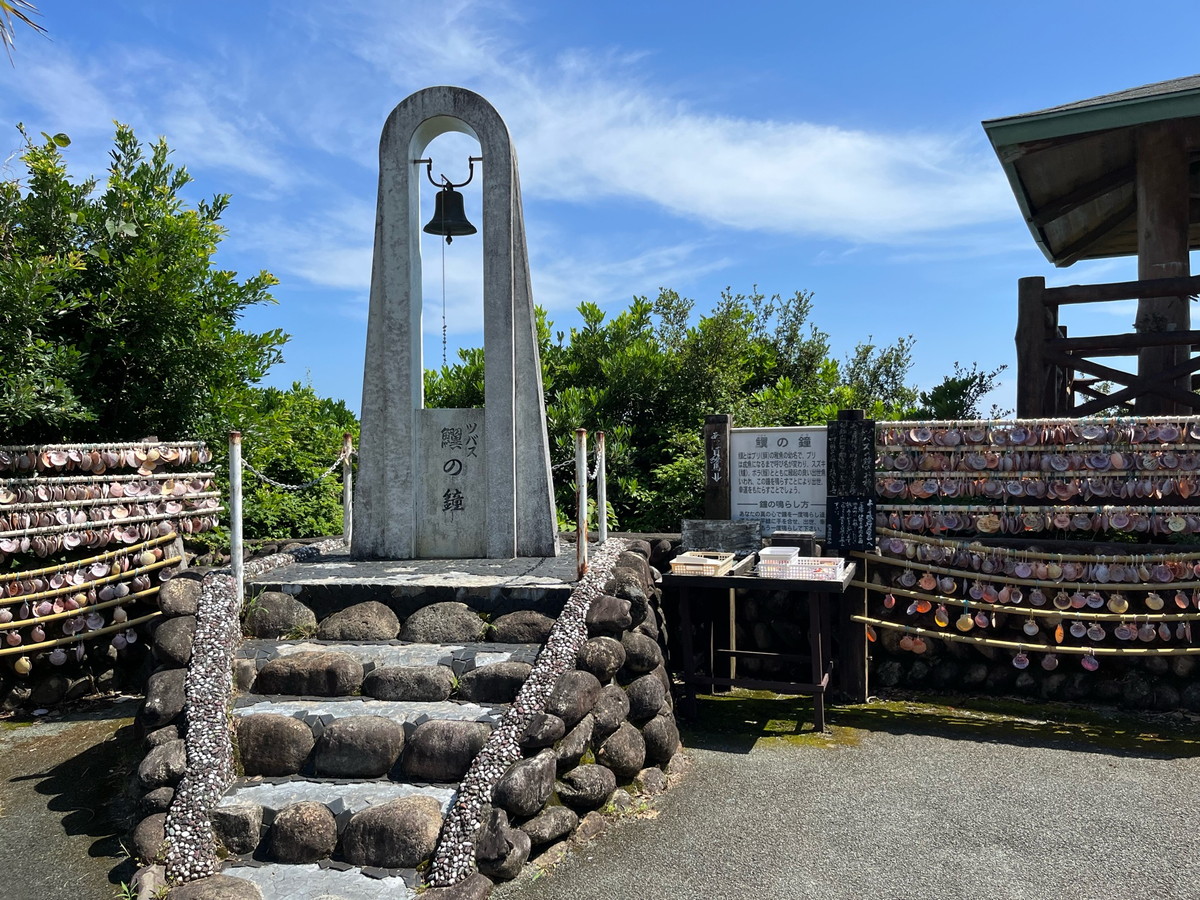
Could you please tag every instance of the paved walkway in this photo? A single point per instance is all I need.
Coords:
(901, 801)
(908, 803)
(62, 802)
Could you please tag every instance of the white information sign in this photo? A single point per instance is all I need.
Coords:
(777, 477)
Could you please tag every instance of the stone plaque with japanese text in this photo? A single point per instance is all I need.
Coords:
(778, 477)
(453, 484)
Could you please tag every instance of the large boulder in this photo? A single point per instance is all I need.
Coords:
(642, 654)
(543, 730)
(370, 621)
(602, 656)
(273, 745)
(587, 787)
(493, 683)
(397, 834)
(442, 750)
(179, 596)
(148, 837)
(608, 615)
(506, 864)
(473, 887)
(314, 673)
(525, 626)
(164, 698)
(302, 833)
(238, 826)
(524, 789)
(443, 623)
(573, 696)
(276, 614)
(571, 748)
(412, 683)
(552, 824)
(173, 640)
(358, 747)
(217, 887)
(163, 766)
(661, 735)
(610, 710)
(623, 751)
(646, 697)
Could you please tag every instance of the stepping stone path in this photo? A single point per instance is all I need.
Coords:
(362, 700)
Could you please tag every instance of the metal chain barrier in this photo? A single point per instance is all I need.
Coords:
(298, 487)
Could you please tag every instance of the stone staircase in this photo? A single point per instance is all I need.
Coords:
(366, 691)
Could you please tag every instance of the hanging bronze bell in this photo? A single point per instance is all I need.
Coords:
(449, 218)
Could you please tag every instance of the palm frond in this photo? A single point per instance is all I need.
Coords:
(11, 12)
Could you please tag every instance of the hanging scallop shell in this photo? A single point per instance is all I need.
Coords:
(1090, 663)
(1049, 662)
(1078, 629)
(908, 578)
(1154, 602)
(928, 581)
(1147, 632)
(118, 641)
(1030, 627)
(919, 645)
(924, 606)
(1062, 600)
(912, 609)
(906, 642)
(1124, 632)
(23, 666)
(964, 622)
(941, 617)
(1021, 661)
(1037, 598)
(889, 601)
(981, 619)
(1117, 603)
(94, 621)
(6, 615)
(1094, 600)
(947, 585)
(1096, 632)
(870, 631)
(57, 656)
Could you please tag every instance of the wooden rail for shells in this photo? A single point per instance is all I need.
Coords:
(945, 487)
(56, 501)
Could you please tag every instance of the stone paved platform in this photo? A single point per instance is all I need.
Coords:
(327, 709)
(354, 796)
(460, 657)
(291, 882)
(492, 586)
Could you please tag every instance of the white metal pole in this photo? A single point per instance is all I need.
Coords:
(601, 490)
(347, 488)
(236, 557)
(581, 492)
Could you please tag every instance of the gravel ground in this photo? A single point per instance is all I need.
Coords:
(909, 804)
(62, 802)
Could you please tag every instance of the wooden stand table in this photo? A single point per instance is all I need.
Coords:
(814, 595)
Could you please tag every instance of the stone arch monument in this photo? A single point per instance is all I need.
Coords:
(451, 483)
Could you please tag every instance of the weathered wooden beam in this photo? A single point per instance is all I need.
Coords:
(717, 467)
(1122, 290)
(1085, 193)
(1124, 344)
(1138, 385)
(1073, 251)
(1162, 234)
(1036, 324)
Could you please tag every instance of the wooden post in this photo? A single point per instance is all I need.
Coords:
(1033, 329)
(1162, 223)
(717, 469)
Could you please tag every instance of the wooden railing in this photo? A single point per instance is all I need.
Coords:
(1048, 361)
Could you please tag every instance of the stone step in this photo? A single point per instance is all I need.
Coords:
(342, 796)
(308, 881)
(459, 657)
(320, 712)
(490, 586)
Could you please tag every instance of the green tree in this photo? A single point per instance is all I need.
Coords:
(115, 323)
(648, 376)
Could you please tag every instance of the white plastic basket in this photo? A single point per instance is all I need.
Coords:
(807, 568)
(702, 562)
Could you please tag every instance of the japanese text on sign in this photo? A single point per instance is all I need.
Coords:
(777, 477)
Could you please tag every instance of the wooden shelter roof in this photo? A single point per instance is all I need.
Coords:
(1071, 167)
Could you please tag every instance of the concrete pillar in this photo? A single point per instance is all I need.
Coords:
(451, 483)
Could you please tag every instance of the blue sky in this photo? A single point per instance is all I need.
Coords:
(827, 147)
